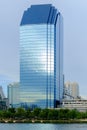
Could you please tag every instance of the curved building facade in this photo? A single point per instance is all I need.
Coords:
(41, 57)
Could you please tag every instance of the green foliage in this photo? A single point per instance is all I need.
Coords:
(53, 114)
(63, 114)
(20, 113)
(43, 114)
(28, 113)
(12, 110)
(73, 114)
(36, 113)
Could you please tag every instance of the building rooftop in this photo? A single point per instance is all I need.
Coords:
(40, 14)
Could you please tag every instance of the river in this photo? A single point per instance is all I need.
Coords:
(43, 126)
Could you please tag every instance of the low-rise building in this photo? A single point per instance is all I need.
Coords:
(79, 104)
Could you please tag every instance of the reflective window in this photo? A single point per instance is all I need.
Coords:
(37, 65)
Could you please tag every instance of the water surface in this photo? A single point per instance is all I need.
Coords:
(43, 126)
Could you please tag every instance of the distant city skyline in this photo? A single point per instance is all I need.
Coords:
(75, 39)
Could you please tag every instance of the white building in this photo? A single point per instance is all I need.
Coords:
(79, 104)
(13, 94)
(71, 90)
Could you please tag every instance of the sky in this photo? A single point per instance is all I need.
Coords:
(74, 14)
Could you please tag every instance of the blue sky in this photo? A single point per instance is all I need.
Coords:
(75, 39)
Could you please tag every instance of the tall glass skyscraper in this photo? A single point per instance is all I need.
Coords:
(41, 57)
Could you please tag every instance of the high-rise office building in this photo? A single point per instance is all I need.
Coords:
(71, 90)
(41, 57)
(13, 94)
(75, 90)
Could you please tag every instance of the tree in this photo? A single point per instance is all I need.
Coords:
(36, 112)
(28, 113)
(12, 110)
(20, 113)
(44, 114)
(73, 114)
(53, 114)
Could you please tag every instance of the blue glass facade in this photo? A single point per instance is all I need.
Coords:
(41, 57)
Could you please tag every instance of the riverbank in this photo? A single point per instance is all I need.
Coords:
(44, 121)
